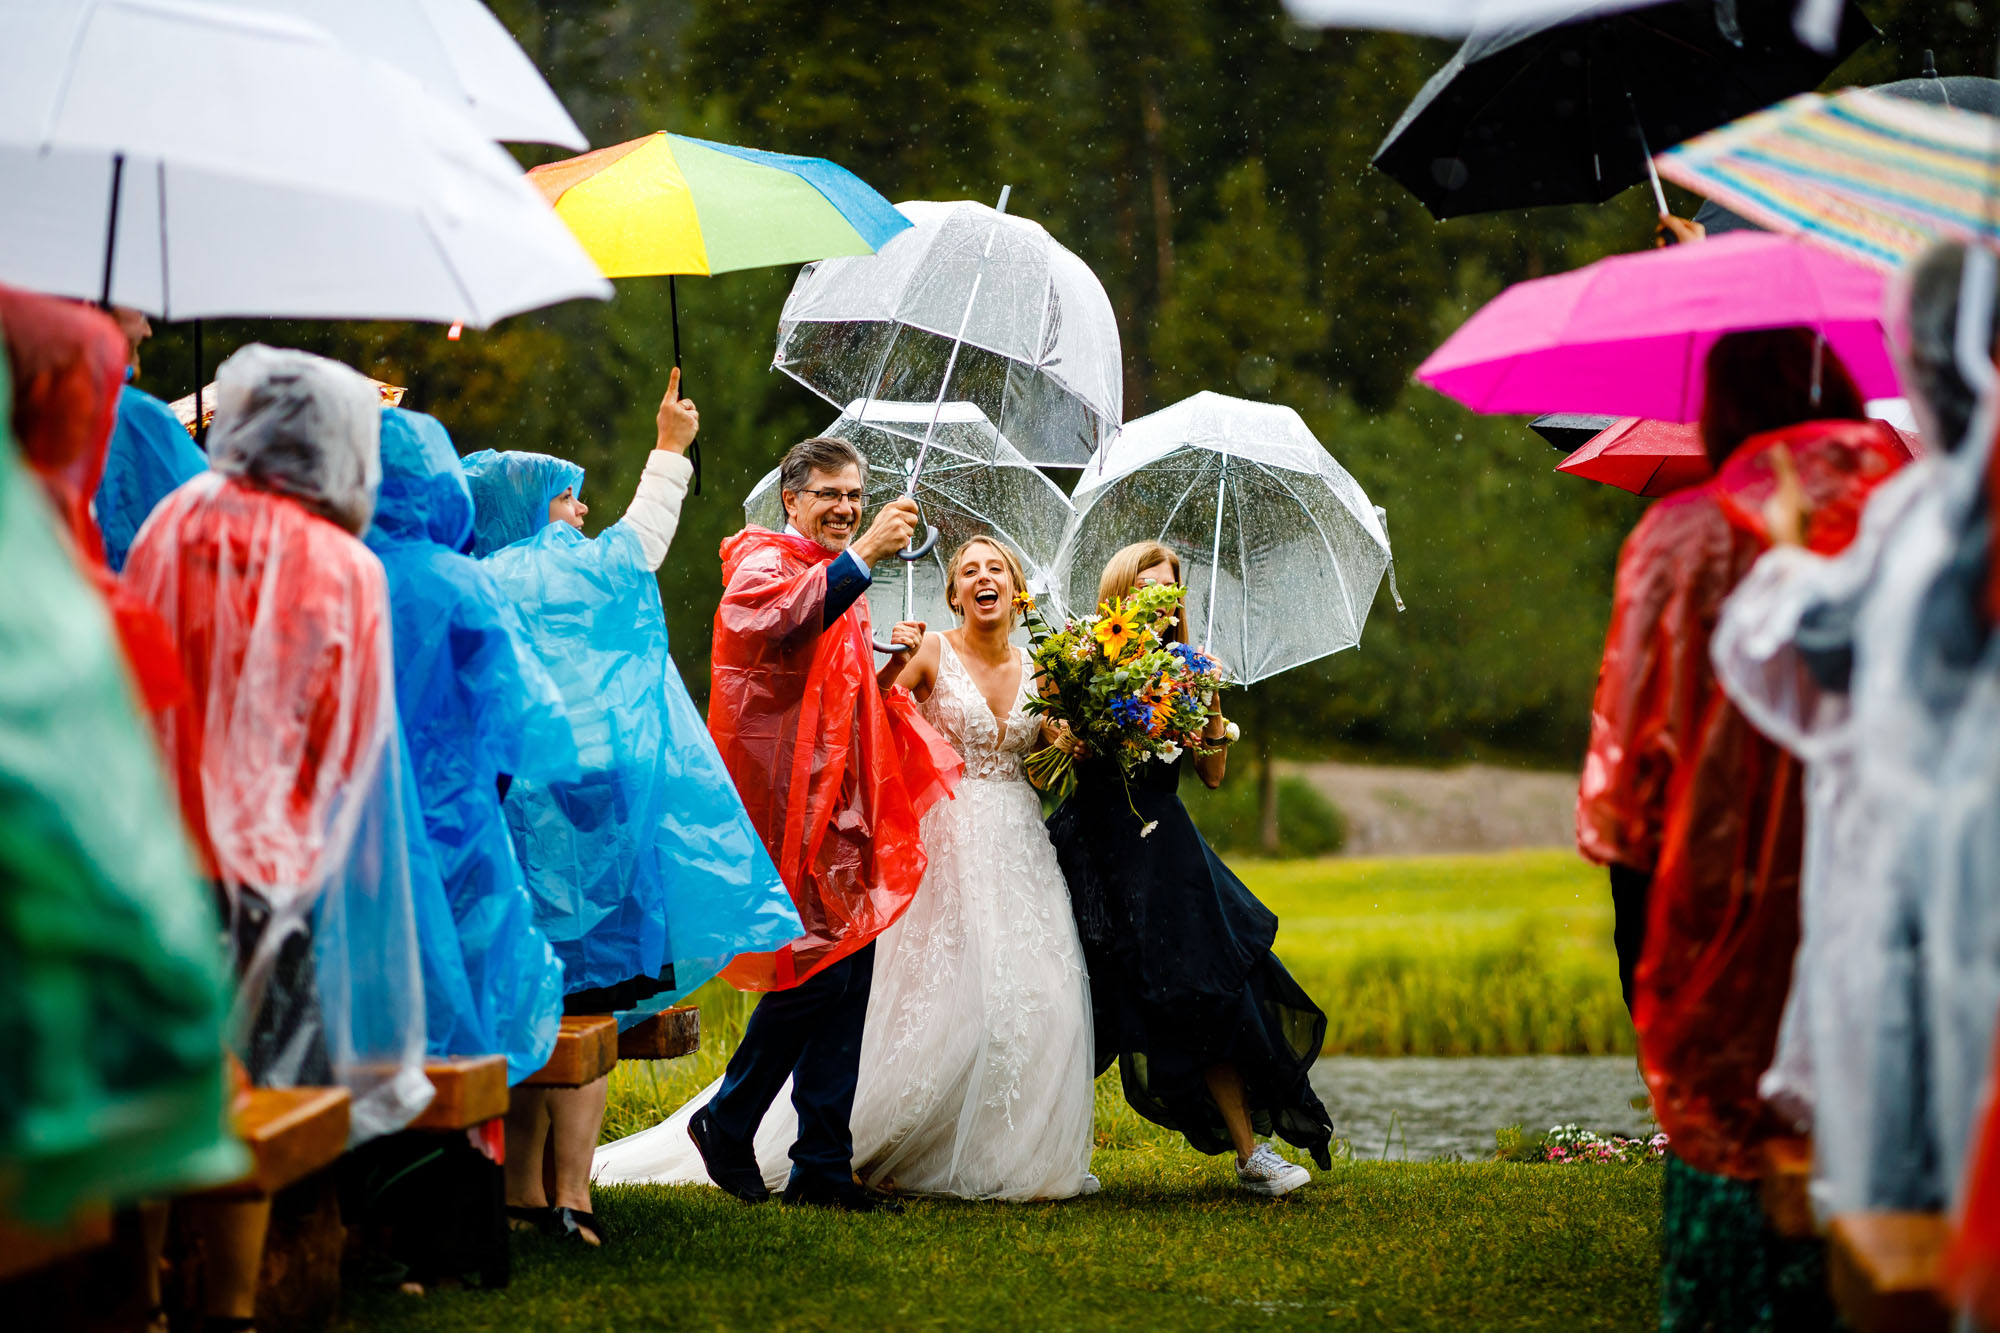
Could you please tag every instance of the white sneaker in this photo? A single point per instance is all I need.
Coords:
(1268, 1174)
(1091, 1184)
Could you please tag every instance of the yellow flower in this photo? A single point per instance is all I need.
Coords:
(1024, 601)
(1114, 631)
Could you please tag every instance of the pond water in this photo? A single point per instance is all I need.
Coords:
(1419, 1108)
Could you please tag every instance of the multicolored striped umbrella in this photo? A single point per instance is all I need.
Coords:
(1873, 177)
(668, 204)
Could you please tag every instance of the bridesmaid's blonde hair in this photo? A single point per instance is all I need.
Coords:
(1013, 563)
(1122, 572)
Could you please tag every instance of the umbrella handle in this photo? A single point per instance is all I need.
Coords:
(884, 646)
(917, 551)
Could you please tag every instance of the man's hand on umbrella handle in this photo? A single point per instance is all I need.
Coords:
(887, 534)
(678, 421)
(1677, 231)
(1785, 512)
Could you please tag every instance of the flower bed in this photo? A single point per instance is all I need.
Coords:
(1567, 1145)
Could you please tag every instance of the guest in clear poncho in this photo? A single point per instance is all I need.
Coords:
(1808, 647)
(1700, 819)
(646, 873)
(285, 753)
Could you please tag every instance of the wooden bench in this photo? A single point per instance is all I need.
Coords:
(1883, 1270)
(1786, 1188)
(291, 1133)
(667, 1035)
(471, 1090)
(586, 1049)
(25, 1249)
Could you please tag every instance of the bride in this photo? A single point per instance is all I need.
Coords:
(976, 1058)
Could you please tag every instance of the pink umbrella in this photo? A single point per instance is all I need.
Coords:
(1629, 335)
(1655, 458)
(1651, 458)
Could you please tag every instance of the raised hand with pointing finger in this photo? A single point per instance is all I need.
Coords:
(678, 421)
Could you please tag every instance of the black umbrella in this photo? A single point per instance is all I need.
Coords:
(1570, 431)
(1571, 113)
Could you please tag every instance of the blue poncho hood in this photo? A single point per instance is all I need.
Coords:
(511, 491)
(424, 492)
(150, 454)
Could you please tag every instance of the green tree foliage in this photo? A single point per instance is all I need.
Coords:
(1210, 161)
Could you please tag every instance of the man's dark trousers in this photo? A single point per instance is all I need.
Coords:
(811, 1033)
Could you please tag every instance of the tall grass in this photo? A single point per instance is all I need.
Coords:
(1504, 954)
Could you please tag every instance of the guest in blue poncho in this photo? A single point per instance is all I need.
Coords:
(646, 872)
(150, 454)
(477, 707)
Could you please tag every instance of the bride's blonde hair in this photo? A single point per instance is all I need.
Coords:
(1007, 556)
(1122, 572)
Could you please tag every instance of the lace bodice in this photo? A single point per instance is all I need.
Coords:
(991, 748)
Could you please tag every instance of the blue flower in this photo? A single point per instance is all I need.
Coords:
(1193, 658)
(1130, 711)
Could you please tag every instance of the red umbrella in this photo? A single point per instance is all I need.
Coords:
(1651, 458)
(1655, 458)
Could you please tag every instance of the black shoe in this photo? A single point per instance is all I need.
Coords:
(522, 1217)
(841, 1196)
(580, 1226)
(732, 1167)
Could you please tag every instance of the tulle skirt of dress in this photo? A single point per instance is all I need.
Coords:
(976, 1061)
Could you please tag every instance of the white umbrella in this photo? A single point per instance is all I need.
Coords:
(459, 52)
(1280, 550)
(338, 190)
(1817, 22)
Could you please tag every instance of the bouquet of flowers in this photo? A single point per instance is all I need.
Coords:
(1127, 691)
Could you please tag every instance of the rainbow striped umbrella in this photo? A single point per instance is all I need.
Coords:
(667, 204)
(1873, 177)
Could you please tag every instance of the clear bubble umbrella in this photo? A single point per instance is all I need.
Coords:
(969, 305)
(1281, 551)
(974, 482)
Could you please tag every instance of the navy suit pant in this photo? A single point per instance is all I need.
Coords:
(811, 1033)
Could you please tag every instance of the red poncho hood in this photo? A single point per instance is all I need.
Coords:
(835, 774)
(67, 364)
(1677, 782)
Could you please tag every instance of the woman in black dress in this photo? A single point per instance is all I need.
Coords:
(1213, 1037)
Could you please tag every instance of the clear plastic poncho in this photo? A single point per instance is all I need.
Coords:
(113, 993)
(476, 704)
(151, 454)
(836, 773)
(286, 755)
(646, 872)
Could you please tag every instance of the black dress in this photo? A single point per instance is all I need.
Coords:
(1181, 972)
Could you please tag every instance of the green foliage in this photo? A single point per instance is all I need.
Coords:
(1210, 162)
(1229, 817)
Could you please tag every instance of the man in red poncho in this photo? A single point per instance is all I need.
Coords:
(835, 775)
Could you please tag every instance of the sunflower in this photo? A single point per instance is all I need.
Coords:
(1115, 631)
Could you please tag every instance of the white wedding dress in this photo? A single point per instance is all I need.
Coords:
(976, 1059)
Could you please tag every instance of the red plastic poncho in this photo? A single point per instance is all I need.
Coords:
(1678, 782)
(1971, 1277)
(282, 622)
(834, 773)
(68, 365)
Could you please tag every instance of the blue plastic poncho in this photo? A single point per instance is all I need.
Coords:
(151, 453)
(476, 703)
(647, 861)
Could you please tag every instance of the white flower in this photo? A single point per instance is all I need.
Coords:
(1233, 732)
(1168, 752)
(1147, 831)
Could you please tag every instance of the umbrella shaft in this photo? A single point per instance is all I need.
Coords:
(111, 229)
(1214, 558)
(951, 362)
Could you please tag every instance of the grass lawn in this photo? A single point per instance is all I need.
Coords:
(1168, 1245)
(1477, 954)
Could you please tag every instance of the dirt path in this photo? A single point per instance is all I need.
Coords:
(1474, 808)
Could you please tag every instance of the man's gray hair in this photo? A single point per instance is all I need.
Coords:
(822, 453)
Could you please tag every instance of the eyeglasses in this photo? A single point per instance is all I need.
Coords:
(831, 496)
